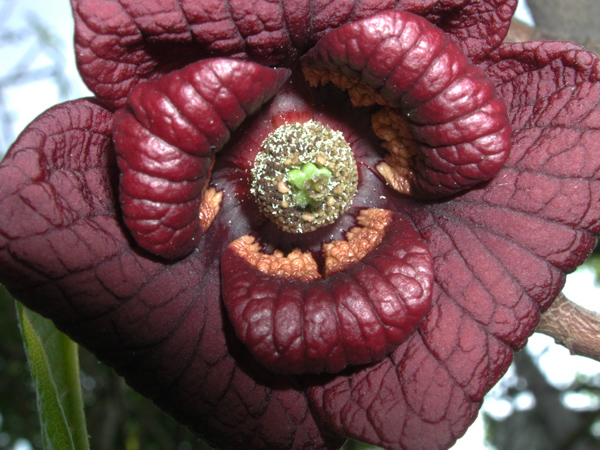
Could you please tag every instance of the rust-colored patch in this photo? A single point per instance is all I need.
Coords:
(359, 241)
(301, 266)
(389, 125)
(209, 208)
(359, 93)
(398, 179)
(296, 265)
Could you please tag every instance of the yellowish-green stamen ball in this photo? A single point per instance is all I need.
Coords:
(304, 177)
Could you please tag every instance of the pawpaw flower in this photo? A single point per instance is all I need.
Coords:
(288, 223)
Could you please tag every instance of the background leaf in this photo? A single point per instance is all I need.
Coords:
(54, 365)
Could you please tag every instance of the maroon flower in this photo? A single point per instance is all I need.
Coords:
(371, 274)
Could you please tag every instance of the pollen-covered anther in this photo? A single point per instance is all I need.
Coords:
(297, 265)
(360, 240)
(360, 94)
(209, 208)
(390, 126)
(304, 177)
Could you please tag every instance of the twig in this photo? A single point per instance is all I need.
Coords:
(573, 326)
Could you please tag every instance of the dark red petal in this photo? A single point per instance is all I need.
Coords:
(554, 168)
(451, 107)
(406, 402)
(64, 253)
(479, 27)
(120, 43)
(486, 300)
(352, 317)
(166, 138)
(51, 196)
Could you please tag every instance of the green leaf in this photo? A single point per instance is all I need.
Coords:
(54, 363)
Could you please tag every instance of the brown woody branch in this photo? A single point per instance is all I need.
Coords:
(573, 326)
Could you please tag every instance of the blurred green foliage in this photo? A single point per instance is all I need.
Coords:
(54, 366)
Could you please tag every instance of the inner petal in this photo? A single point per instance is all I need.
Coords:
(166, 140)
(375, 291)
(450, 109)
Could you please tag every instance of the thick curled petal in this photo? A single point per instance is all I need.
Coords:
(64, 253)
(166, 138)
(120, 43)
(451, 107)
(355, 316)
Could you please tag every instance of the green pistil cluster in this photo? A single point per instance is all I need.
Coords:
(309, 184)
(304, 177)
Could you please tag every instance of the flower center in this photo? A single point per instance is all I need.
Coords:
(304, 177)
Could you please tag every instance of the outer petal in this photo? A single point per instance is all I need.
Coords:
(500, 256)
(120, 43)
(553, 95)
(63, 253)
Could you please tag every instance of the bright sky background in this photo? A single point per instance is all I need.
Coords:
(28, 101)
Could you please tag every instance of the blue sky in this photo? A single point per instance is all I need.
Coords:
(25, 102)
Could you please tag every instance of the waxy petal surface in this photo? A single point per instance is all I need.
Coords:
(166, 140)
(459, 124)
(120, 43)
(355, 316)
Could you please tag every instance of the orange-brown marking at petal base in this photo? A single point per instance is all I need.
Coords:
(359, 241)
(209, 208)
(390, 126)
(397, 179)
(360, 94)
(296, 265)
